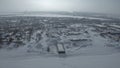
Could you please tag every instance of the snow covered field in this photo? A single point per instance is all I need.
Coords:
(20, 59)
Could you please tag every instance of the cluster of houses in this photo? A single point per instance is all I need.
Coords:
(109, 31)
(68, 36)
(63, 33)
(17, 32)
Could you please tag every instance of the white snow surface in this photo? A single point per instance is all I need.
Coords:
(88, 58)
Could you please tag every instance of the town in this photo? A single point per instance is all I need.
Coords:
(44, 34)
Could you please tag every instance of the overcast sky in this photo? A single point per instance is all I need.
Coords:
(99, 6)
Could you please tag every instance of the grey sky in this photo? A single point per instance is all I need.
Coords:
(99, 6)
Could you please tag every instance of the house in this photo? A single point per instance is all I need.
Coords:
(60, 48)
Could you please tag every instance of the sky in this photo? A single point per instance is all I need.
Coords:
(98, 6)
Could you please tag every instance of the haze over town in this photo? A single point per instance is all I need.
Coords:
(98, 6)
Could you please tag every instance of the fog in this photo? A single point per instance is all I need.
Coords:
(98, 6)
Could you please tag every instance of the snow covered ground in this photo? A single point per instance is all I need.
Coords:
(20, 59)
